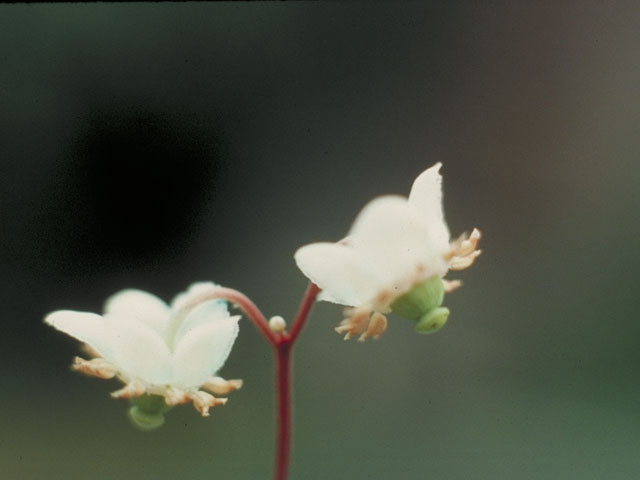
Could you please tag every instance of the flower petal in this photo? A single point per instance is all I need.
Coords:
(194, 290)
(180, 309)
(202, 351)
(206, 312)
(394, 238)
(344, 277)
(426, 196)
(138, 350)
(84, 326)
(142, 306)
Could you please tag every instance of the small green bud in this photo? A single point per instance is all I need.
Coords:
(421, 299)
(433, 320)
(147, 412)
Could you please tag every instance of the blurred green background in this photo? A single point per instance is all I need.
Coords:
(153, 145)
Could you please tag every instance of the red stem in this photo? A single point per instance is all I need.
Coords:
(283, 389)
(303, 312)
(242, 301)
(282, 345)
(283, 382)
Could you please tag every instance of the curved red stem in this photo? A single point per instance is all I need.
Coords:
(282, 345)
(241, 300)
(303, 312)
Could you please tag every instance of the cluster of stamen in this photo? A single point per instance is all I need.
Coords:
(202, 400)
(361, 323)
(464, 250)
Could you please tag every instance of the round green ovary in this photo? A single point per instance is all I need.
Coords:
(420, 300)
(145, 420)
(147, 412)
(433, 320)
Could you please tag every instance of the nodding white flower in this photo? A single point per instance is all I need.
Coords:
(158, 351)
(393, 259)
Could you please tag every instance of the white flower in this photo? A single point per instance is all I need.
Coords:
(157, 349)
(395, 244)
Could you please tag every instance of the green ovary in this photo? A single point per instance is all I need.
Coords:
(420, 299)
(147, 412)
(433, 320)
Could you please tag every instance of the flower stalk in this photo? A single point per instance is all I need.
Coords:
(283, 401)
(282, 344)
(282, 348)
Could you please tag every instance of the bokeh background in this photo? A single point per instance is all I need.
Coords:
(154, 145)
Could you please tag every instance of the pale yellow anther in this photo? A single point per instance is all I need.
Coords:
(175, 396)
(451, 285)
(464, 245)
(130, 390)
(468, 245)
(97, 367)
(356, 323)
(377, 326)
(460, 263)
(361, 323)
(277, 324)
(203, 401)
(220, 386)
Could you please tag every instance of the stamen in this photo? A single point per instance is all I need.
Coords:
(130, 390)
(356, 322)
(203, 401)
(97, 367)
(464, 245)
(460, 263)
(220, 386)
(377, 326)
(451, 285)
(361, 323)
(174, 396)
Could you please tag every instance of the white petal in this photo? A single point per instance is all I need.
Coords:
(202, 311)
(206, 312)
(202, 351)
(138, 350)
(395, 240)
(426, 196)
(142, 306)
(340, 272)
(84, 326)
(194, 290)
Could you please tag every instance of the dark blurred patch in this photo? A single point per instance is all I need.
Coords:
(138, 183)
